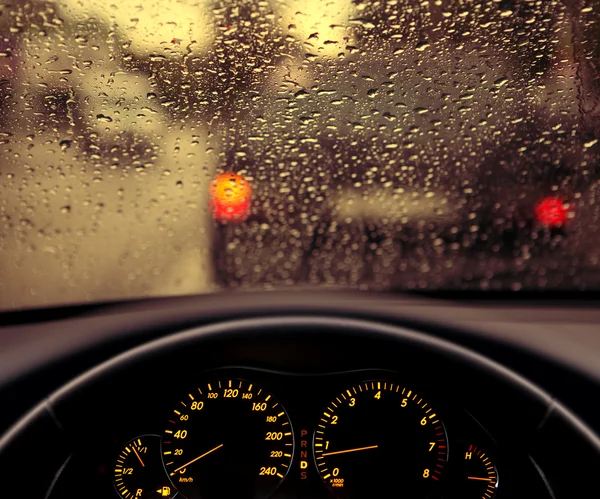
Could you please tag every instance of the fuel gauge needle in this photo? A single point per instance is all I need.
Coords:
(138, 456)
(199, 457)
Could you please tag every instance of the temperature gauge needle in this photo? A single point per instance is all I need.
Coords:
(349, 450)
(199, 457)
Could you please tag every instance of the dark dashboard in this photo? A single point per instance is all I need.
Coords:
(297, 405)
(281, 434)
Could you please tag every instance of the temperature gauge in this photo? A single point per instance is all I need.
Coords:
(477, 474)
(139, 472)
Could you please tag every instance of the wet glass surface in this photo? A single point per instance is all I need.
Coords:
(385, 145)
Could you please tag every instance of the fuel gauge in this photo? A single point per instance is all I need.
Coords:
(477, 474)
(139, 471)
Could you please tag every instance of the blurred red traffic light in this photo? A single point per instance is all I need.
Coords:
(230, 195)
(552, 211)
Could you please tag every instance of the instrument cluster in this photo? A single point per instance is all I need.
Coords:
(257, 434)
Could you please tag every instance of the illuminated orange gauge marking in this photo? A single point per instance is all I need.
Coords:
(378, 428)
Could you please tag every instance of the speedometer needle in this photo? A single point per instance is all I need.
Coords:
(350, 450)
(199, 457)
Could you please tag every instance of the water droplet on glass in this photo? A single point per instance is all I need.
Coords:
(422, 46)
(301, 94)
(500, 82)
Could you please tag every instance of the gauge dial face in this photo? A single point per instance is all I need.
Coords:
(228, 438)
(377, 439)
(139, 471)
(478, 477)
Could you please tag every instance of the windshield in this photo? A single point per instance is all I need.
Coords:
(161, 147)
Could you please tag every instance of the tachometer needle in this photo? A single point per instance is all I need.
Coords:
(199, 457)
(349, 450)
(138, 456)
(477, 478)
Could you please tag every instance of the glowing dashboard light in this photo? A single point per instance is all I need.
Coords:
(552, 212)
(230, 197)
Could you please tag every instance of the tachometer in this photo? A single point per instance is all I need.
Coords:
(379, 439)
(228, 438)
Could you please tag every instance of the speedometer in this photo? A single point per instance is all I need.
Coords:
(380, 439)
(228, 438)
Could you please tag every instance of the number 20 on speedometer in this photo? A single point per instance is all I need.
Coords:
(380, 439)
